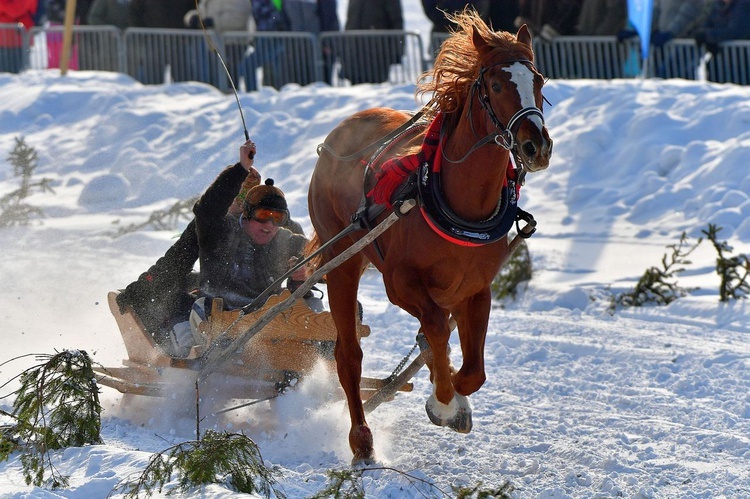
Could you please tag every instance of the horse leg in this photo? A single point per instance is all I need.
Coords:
(343, 283)
(444, 407)
(472, 317)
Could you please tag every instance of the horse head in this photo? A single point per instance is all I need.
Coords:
(509, 89)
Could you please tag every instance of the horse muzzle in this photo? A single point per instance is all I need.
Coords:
(533, 146)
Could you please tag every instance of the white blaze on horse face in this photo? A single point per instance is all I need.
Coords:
(522, 76)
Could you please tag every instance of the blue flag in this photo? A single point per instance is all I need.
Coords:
(640, 13)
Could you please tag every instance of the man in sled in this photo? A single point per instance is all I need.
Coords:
(244, 238)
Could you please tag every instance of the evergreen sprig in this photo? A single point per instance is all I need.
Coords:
(163, 219)
(734, 271)
(13, 210)
(658, 285)
(219, 457)
(478, 492)
(516, 271)
(56, 406)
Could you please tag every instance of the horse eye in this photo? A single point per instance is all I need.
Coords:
(496, 87)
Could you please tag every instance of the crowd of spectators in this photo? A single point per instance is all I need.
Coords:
(709, 22)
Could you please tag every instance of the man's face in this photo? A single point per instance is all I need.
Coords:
(259, 232)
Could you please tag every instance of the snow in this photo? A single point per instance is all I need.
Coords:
(579, 402)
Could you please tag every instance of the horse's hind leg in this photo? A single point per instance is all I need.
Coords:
(343, 283)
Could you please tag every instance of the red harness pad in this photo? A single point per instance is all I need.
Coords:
(396, 170)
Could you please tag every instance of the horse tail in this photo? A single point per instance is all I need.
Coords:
(311, 247)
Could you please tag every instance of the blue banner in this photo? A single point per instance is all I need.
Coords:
(640, 13)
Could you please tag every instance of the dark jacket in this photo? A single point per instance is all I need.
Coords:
(562, 15)
(232, 267)
(363, 60)
(110, 12)
(602, 17)
(366, 14)
(311, 17)
(159, 13)
(268, 18)
(728, 21)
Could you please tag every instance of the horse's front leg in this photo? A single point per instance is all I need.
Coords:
(472, 317)
(342, 296)
(444, 407)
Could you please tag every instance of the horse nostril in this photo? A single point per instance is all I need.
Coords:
(529, 149)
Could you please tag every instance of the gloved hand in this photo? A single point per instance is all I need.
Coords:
(660, 38)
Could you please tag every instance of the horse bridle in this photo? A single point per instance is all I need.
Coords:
(507, 136)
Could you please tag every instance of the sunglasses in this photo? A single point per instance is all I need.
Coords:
(263, 215)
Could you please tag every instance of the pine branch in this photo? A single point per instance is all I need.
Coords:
(659, 285)
(219, 457)
(56, 406)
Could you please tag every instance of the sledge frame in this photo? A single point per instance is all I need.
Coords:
(285, 351)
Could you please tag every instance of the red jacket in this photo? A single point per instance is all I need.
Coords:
(16, 11)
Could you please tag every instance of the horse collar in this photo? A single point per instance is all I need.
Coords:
(446, 223)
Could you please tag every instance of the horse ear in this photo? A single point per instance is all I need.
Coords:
(523, 35)
(479, 42)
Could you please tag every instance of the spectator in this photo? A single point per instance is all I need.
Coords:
(110, 13)
(55, 10)
(223, 16)
(549, 18)
(602, 17)
(502, 15)
(313, 16)
(727, 20)
(674, 19)
(152, 62)
(363, 59)
(436, 11)
(276, 55)
(11, 43)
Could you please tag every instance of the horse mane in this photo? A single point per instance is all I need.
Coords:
(458, 63)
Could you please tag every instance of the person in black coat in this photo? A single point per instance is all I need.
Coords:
(363, 60)
(163, 296)
(727, 20)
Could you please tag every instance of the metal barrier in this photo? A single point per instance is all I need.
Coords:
(338, 58)
(271, 59)
(14, 48)
(372, 56)
(157, 56)
(96, 48)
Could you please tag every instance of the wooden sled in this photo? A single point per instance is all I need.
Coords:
(284, 351)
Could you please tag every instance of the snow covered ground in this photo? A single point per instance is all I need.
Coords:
(646, 402)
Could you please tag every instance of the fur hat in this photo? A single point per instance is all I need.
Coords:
(265, 196)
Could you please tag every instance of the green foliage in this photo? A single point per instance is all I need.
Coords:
(163, 219)
(343, 484)
(56, 406)
(218, 457)
(481, 493)
(516, 271)
(658, 285)
(13, 209)
(734, 271)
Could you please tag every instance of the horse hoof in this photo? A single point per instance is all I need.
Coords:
(360, 441)
(456, 415)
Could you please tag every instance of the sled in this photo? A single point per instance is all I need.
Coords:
(286, 350)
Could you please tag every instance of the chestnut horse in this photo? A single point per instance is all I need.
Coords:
(489, 93)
